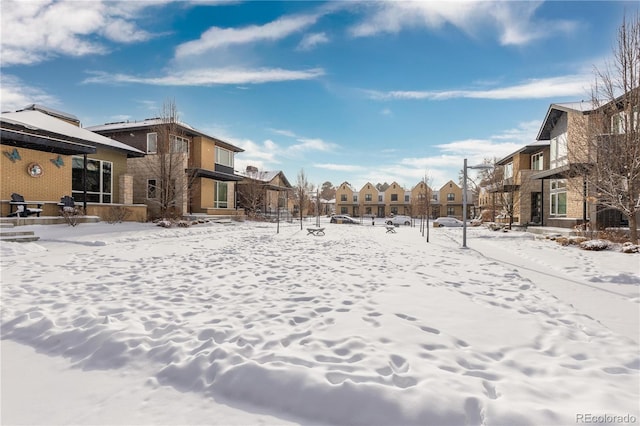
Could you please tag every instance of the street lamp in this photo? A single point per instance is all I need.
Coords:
(464, 198)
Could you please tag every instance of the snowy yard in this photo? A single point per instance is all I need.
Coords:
(235, 324)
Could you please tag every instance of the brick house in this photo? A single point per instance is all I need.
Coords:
(47, 155)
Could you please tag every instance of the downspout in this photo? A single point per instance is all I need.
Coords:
(84, 183)
(542, 203)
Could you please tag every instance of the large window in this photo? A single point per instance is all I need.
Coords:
(558, 197)
(179, 144)
(221, 196)
(508, 170)
(394, 197)
(451, 211)
(224, 157)
(152, 143)
(451, 196)
(537, 161)
(355, 198)
(367, 197)
(343, 197)
(99, 180)
(558, 150)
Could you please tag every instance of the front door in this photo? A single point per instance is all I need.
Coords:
(536, 207)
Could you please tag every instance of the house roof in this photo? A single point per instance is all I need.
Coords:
(37, 124)
(153, 122)
(267, 176)
(555, 111)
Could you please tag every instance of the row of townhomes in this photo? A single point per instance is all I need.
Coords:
(554, 181)
(396, 200)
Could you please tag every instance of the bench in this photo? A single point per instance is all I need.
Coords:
(315, 231)
(391, 229)
(22, 206)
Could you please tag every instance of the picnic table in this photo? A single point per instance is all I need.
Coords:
(315, 231)
(391, 229)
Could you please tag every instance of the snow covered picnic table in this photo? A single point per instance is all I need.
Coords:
(315, 231)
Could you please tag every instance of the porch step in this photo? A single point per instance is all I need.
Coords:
(18, 236)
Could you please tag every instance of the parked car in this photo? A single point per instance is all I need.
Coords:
(399, 220)
(447, 221)
(342, 218)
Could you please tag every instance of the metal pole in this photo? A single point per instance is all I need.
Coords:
(464, 205)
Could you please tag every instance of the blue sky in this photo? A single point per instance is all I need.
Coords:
(346, 91)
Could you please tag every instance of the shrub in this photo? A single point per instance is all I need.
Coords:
(117, 214)
(72, 214)
(595, 245)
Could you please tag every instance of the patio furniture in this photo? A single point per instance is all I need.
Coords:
(22, 206)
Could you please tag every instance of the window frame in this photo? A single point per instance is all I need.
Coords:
(228, 153)
(218, 203)
(149, 135)
(104, 194)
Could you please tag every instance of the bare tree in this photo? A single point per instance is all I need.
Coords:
(168, 181)
(302, 191)
(492, 180)
(251, 192)
(422, 205)
(613, 142)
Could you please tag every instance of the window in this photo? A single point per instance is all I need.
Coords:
(537, 161)
(355, 198)
(99, 180)
(406, 198)
(343, 197)
(559, 151)
(394, 197)
(224, 157)
(394, 210)
(380, 198)
(152, 143)
(451, 211)
(367, 197)
(343, 210)
(152, 186)
(558, 197)
(220, 200)
(451, 196)
(508, 170)
(179, 144)
(620, 121)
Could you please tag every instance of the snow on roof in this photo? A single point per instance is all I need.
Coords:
(151, 122)
(37, 120)
(577, 106)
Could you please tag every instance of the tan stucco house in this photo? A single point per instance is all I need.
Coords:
(207, 182)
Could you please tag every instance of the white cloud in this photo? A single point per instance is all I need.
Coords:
(35, 31)
(514, 22)
(283, 132)
(215, 38)
(309, 144)
(386, 112)
(311, 41)
(14, 94)
(553, 87)
(210, 76)
(340, 167)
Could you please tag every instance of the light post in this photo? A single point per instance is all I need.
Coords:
(464, 198)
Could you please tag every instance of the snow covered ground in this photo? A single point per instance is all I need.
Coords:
(237, 325)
